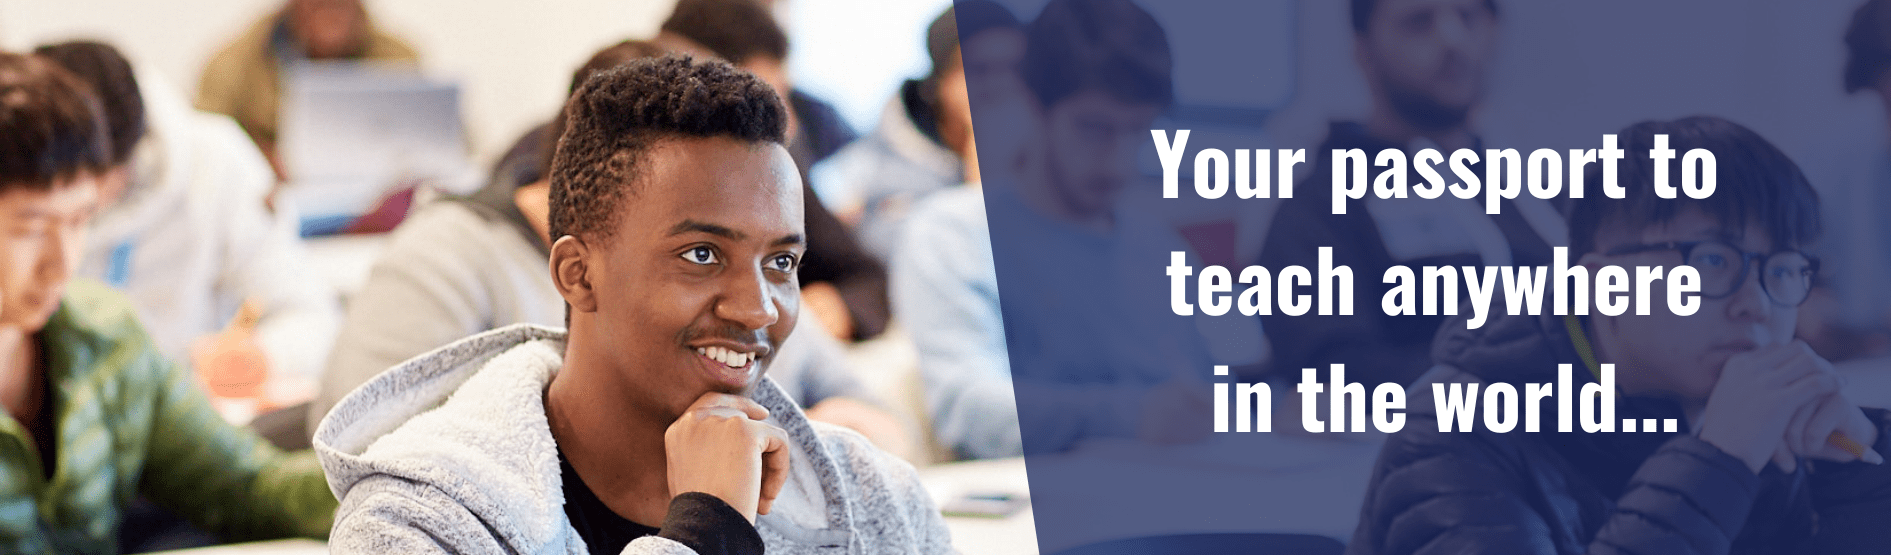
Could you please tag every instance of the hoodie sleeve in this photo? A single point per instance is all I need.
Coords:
(383, 514)
(891, 507)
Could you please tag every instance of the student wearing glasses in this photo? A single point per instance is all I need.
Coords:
(1749, 469)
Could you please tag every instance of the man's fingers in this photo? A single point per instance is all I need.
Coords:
(775, 462)
(1809, 386)
(714, 400)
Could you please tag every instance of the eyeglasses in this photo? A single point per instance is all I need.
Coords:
(1785, 276)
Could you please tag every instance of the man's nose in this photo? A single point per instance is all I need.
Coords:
(748, 299)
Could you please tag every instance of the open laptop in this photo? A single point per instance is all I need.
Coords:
(356, 134)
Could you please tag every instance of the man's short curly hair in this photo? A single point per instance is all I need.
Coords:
(619, 114)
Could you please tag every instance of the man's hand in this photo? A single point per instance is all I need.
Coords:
(721, 447)
(1759, 397)
(230, 363)
(1807, 435)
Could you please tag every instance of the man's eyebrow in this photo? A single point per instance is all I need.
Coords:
(789, 240)
(693, 226)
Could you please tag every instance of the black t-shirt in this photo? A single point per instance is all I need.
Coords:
(700, 521)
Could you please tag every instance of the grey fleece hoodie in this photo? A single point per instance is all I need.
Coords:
(451, 452)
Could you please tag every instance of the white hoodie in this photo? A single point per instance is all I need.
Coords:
(451, 452)
(192, 239)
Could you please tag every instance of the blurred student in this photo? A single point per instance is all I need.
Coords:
(183, 230)
(95, 414)
(1099, 74)
(1426, 62)
(924, 139)
(843, 286)
(471, 264)
(245, 79)
(649, 427)
(1850, 314)
(1748, 470)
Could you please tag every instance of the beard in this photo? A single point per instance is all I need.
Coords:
(1424, 110)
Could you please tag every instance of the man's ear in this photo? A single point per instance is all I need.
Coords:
(571, 273)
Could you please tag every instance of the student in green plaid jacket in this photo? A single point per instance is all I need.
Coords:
(94, 416)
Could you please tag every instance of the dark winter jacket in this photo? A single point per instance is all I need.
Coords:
(1569, 493)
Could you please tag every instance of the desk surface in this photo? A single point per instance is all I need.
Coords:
(1013, 535)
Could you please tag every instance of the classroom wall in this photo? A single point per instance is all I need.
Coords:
(513, 59)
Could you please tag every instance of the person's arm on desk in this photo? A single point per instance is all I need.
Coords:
(222, 477)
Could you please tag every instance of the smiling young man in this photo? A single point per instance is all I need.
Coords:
(94, 414)
(1749, 471)
(649, 426)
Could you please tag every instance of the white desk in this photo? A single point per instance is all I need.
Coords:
(1304, 485)
(1014, 535)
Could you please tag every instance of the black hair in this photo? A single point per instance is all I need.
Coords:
(1362, 13)
(109, 75)
(735, 30)
(965, 18)
(620, 113)
(50, 127)
(1868, 46)
(1111, 45)
(1756, 183)
(610, 57)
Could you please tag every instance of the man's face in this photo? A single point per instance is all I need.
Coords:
(991, 59)
(327, 28)
(698, 280)
(44, 236)
(1668, 355)
(1429, 57)
(1091, 139)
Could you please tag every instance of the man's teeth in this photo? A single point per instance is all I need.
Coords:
(732, 359)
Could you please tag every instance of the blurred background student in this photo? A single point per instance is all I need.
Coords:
(222, 281)
(923, 142)
(95, 415)
(245, 79)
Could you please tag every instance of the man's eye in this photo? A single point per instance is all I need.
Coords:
(784, 263)
(700, 255)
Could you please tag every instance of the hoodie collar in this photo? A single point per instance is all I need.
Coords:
(468, 419)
